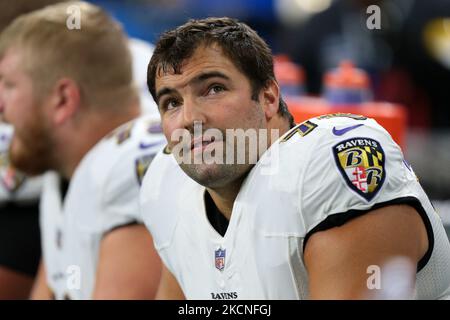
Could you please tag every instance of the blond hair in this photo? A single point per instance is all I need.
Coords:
(95, 56)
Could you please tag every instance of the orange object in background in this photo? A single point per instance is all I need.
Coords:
(347, 90)
(392, 117)
(290, 76)
(346, 85)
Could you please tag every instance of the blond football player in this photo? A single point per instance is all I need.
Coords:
(70, 95)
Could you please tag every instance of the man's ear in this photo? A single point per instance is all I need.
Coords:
(270, 98)
(65, 100)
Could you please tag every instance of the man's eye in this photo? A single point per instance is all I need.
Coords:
(170, 104)
(216, 88)
(7, 84)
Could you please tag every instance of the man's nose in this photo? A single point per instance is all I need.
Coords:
(192, 113)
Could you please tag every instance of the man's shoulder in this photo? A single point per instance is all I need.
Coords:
(134, 144)
(163, 174)
(319, 134)
(51, 197)
(167, 196)
(141, 133)
(316, 143)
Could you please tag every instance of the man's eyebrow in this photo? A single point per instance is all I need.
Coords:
(207, 75)
(200, 78)
(162, 92)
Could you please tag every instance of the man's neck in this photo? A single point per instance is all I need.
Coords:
(224, 197)
(90, 132)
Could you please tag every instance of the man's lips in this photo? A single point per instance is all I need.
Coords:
(201, 142)
(196, 144)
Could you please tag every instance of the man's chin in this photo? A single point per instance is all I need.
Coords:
(25, 167)
(205, 174)
(215, 175)
(26, 163)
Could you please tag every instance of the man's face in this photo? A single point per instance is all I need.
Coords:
(210, 93)
(30, 148)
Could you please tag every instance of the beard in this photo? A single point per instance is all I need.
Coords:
(216, 175)
(213, 169)
(31, 150)
(227, 159)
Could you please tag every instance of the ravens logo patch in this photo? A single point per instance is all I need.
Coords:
(361, 164)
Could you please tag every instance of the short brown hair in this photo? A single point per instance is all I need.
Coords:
(241, 44)
(96, 56)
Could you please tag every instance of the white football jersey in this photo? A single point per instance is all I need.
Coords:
(141, 52)
(103, 194)
(320, 174)
(14, 185)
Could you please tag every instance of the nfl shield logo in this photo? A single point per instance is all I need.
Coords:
(220, 258)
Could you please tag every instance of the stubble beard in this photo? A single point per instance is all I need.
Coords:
(221, 175)
(31, 150)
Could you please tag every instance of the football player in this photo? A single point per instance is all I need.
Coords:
(69, 93)
(327, 212)
(20, 248)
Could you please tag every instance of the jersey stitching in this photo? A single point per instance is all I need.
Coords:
(303, 177)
